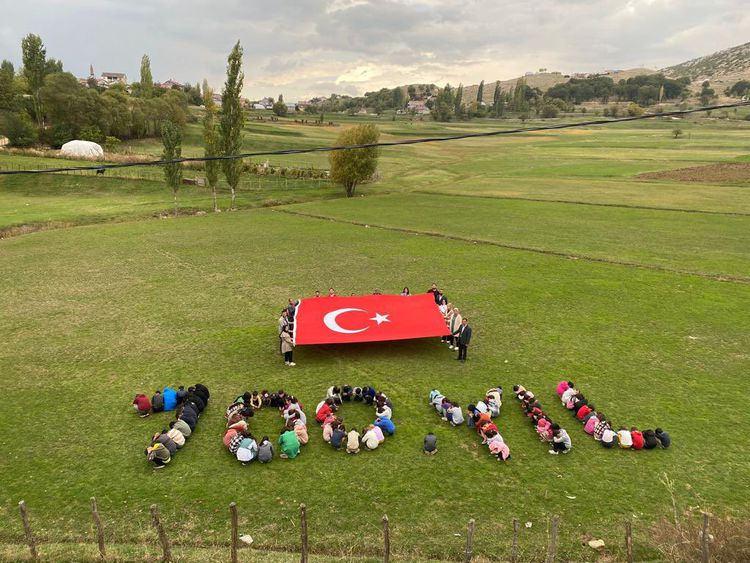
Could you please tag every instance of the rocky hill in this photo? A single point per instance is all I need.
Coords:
(722, 68)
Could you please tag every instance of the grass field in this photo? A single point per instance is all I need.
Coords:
(625, 300)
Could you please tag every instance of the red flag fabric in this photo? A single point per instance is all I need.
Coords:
(367, 318)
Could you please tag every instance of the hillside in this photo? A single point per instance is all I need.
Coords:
(722, 68)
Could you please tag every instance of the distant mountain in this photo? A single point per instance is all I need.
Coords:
(722, 68)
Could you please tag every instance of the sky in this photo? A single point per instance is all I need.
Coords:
(304, 48)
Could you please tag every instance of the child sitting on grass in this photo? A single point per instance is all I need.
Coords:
(624, 438)
(560, 440)
(142, 405)
(430, 444)
(352, 442)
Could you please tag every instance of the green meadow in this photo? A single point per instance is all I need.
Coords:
(567, 263)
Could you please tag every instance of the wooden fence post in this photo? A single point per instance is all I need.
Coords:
(705, 554)
(386, 540)
(514, 547)
(163, 539)
(233, 513)
(303, 532)
(469, 541)
(27, 530)
(629, 541)
(99, 528)
(552, 547)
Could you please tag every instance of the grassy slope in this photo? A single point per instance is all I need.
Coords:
(176, 301)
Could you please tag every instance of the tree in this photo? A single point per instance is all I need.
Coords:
(279, 107)
(549, 111)
(398, 100)
(739, 89)
(458, 102)
(211, 141)
(147, 80)
(707, 93)
(444, 105)
(172, 140)
(7, 86)
(497, 101)
(34, 66)
(232, 121)
(677, 133)
(480, 93)
(352, 167)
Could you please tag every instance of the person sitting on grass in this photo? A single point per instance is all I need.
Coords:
(325, 409)
(248, 450)
(568, 394)
(497, 445)
(158, 454)
(288, 444)
(334, 392)
(163, 438)
(169, 397)
(386, 425)
(196, 399)
(181, 394)
(337, 435)
(352, 442)
(544, 428)
(157, 402)
(455, 415)
(637, 438)
(649, 440)
(182, 426)
(561, 441)
(624, 438)
(357, 394)
(370, 438)
(256, 401)
(265, 450)
(663, 438)
(368, 394)
(382, 410)
(609, 436)
(562, 387)
(592, 420)
(142, 405)
(346, 393)
(299, 428)
(177, 437)
(430, 444)
(378, 433)
(584, 411)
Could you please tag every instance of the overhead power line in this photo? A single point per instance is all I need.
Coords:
(496, 133)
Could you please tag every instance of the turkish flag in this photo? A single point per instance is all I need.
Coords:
(367, 318)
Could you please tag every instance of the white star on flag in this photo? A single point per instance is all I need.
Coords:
(378, 318)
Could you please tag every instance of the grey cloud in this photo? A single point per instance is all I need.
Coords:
(305, 47)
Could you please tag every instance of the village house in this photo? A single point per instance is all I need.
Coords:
(417, 106)
(111, 78)
(169, 84)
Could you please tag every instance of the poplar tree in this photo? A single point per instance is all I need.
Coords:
(172, 140)
(34, 66)
(232, 121)
(497, 100)
(147, 80)
(211, 141)
(459, 105)
(480, 93)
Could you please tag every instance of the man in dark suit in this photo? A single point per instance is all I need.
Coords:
(464, 337)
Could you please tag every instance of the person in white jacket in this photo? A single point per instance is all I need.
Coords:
(370, 438)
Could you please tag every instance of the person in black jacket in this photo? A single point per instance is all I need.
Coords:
(202, 390)
(157, 402)
(181, 394)
(464, 337)
(193, 397)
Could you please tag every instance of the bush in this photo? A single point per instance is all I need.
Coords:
(58, 135)
(677, 133)
(20, 130)
(634, 110)
(91, 133)
(111, 144)
(549, 111)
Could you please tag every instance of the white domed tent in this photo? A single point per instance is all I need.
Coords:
(82, 149)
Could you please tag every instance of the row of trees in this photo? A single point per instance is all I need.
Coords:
(43, 103)
(645, 90)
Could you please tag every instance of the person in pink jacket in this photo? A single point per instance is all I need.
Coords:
(590, 425)
(563, 386)
(544, 428)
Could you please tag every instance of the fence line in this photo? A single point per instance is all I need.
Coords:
(166, 549)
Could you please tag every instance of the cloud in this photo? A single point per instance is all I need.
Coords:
(308, 47)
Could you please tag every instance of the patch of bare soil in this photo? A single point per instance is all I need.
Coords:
(724, 172)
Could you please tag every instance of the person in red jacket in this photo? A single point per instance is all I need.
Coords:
(583, 411)
(637, 438)
(142, 405)
(324, 410)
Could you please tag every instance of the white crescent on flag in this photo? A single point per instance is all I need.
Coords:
(330, 321)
